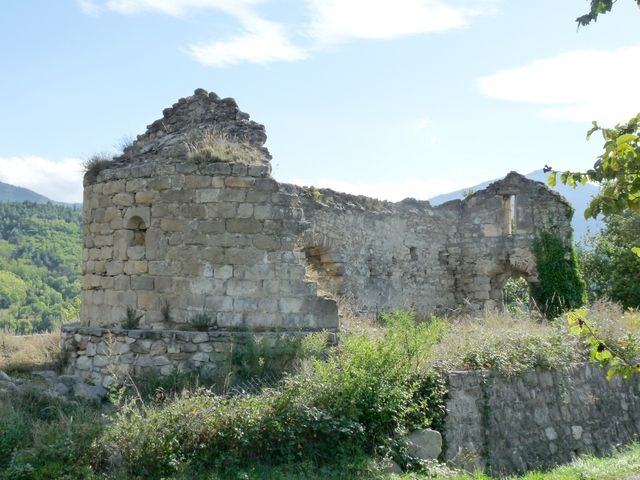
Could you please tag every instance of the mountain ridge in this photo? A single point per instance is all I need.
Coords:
(13, 193)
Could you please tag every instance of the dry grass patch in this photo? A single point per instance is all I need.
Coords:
(217, 147)
(613, 322)
(507, 344)
(24, 353)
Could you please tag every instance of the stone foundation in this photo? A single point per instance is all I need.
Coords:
(100, 354)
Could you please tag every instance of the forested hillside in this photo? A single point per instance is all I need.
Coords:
(40, 255)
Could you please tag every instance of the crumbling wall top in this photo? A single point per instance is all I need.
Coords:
(515, 182)
(188, 121)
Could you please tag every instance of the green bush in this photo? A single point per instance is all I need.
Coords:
(132, 318)
(360, 398)
(609, 264)
(266, 357)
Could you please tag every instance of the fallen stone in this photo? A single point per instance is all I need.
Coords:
(70, 380)
(85, 391)
(62, 389)
(425, 444)
(48, 376)
(389, 466)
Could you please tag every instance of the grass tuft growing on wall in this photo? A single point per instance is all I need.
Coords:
(217, 147)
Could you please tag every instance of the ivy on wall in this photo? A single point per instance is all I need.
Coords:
(560, 286)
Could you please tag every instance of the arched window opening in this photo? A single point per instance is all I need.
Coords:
(139, 229)
(511, 292)
(516, 295)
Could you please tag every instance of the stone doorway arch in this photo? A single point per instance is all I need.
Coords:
(500, 279)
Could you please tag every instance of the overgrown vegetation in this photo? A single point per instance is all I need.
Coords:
(358, 400)
(260, 360)
(561, 287)
(201, 321)
(507, 344)
(40, 255)
(45, 438)
(338, 409)
(516, 296)
(22, 354)
(609, 264)
(215, 146)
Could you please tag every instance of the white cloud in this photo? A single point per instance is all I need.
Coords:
(89, 7)
(167, 7)
(393, 191)
(262, 42)
(336, 21)
(422, 124)
(330, 22)
(59, 181)
(577, 86)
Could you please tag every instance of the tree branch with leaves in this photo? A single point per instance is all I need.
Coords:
(617, 170)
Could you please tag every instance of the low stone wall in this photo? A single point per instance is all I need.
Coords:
(537, 420)
(99, 354)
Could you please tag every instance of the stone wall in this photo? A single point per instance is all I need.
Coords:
(383, 255)
(100, 354)
(172, 237)
(380, 255)
(537, 420)
(178, 228)
(497, 228)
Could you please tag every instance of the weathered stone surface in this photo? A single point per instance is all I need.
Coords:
(539, 420)
(205, 218)
(89, 392)
(425, 444)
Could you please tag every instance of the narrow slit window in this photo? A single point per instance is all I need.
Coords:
(509, 209)
(512, 215)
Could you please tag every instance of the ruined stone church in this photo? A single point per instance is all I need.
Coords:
(188, 221)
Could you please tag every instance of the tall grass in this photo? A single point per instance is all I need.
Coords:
(24, 353)
(42, 437)
(507, 344)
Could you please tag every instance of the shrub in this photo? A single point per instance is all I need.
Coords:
(43, 437)
(516, 296)
(365, 393)
(259, 357)
(95, 165)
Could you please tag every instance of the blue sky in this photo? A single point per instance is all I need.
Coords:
(387, 98)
